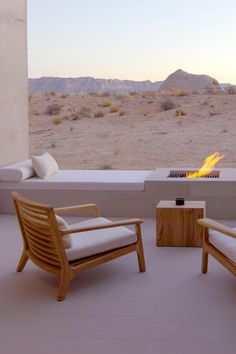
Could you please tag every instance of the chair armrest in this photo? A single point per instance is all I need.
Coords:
(78, 208)
(106, 226)
(217, 226)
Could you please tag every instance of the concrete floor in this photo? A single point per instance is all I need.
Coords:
(113, 309)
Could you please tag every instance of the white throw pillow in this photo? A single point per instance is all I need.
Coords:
(67, 239)
(44, 165)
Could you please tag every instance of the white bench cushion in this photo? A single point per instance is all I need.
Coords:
(85, 180)
(88, 243)
(225, 244)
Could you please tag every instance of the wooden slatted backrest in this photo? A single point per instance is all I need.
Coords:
(41, 235)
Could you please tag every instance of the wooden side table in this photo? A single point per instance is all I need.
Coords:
(177, 224)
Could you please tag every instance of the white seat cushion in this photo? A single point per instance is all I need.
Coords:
(225, 244)
(89, 243)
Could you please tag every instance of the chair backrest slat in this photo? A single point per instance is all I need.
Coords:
(40, 232)
(44, 256)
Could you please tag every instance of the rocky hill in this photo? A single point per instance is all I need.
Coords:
(89, 84)
(190, 82)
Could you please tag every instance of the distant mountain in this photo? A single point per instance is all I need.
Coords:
(191, 82)
(89, 84)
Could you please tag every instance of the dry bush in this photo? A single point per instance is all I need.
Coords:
(105, 166)
(114, 109)
(105, 104)
(75, 116)
(122, 97)
(231, 89)
(150, 94)
(57, 120)
(53, 109)
(50, 93)
(85, 111)
(104, 94)
(179, 112)
(214, 90)
(64, 95)
(122, 113)
(180, 92)
(98, 114)
(166, 105)
(163, 93)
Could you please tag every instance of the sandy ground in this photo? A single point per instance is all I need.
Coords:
(133, 131)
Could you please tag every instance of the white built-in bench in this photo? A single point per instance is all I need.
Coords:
(118, 192)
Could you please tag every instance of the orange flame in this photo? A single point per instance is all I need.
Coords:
(208, 165)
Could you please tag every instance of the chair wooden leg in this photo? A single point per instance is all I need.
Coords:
(141, 261)
(204, 261)
(63, 287)
(22, 262)
(140, 253)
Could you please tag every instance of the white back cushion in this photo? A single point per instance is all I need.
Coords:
(44, 165)
(62, 224)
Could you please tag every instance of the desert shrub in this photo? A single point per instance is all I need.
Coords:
(114, 109)
(180, 92)
(53, 109)
(50, 93)
(121, 97)
(75, 116)
(85, 111)
(213, 90)
(179, 112)
(64, 95)
(98, 114)
(166, 105)
(231, 89)
(105, 104)
(104, 94)
(122, 113)
(57, 120)
(106, 166)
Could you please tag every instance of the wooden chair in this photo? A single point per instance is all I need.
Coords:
(220, 242)
(43, 240)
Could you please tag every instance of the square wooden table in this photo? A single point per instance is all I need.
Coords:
(176, 225)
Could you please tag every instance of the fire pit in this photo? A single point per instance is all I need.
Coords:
(184, 174)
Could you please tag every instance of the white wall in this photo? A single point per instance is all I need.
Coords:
(14, 135)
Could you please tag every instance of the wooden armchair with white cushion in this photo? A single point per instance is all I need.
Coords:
(65, 250)
(220, 242)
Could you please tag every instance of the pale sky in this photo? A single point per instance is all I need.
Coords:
(132, 39)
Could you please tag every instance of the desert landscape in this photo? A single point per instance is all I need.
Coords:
(175, 128)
